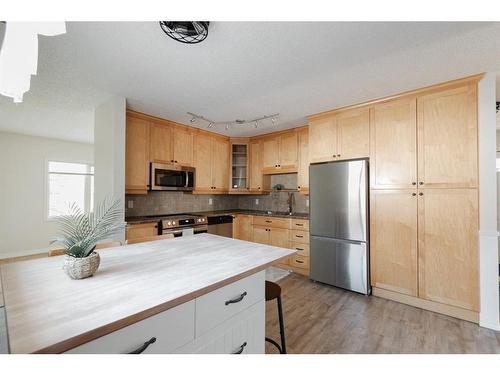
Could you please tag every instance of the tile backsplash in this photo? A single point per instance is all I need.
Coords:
(174, 202)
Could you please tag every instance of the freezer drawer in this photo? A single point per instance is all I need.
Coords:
(340, 263)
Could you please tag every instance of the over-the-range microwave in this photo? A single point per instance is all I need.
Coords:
(171, 177)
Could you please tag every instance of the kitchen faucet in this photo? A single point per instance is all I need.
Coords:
(290, 201)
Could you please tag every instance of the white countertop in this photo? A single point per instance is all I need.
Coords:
(49, 312)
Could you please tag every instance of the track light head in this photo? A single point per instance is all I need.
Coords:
(193, 120)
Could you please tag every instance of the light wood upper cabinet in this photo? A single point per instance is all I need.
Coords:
(212, 164)
(393, 236)
(447, 138)
(288, 149)
(203, 163)
(353, 128)
(323, 139)
(136, 156)
(243, 229)
(161, 150)
(280, 153)
(448, 247)
(183, 140)
(255, 165)
(270, 153)
(393, 145)
(220, 165)
(303, 170)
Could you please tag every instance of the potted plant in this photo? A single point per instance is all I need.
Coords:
(79, 233)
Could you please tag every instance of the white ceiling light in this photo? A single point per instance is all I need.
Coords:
(227, 124)
(19, 55)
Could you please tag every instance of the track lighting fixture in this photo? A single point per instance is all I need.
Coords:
(237, 122)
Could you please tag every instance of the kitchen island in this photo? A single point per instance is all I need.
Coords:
(192, 294)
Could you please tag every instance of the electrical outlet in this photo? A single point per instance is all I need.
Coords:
(130, 204)
(210, 201)
(307, 202)
(256, 201)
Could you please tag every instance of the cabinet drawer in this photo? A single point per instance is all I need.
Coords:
(299, 236)
(216, 307)
(274, 222)
(172, 329)
(302, 248)
(300, 224)
(300, 262)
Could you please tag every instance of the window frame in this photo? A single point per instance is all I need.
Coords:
(47, 184)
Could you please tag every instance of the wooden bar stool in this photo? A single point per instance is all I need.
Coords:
(273, 291)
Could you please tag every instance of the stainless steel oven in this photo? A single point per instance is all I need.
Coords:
(171, 177)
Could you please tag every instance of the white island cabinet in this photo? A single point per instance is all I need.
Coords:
(196, 294)
(228, 320)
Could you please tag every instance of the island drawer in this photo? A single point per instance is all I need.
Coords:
(299, 236)
(274, 222)
(172, 329)
(300, 224)
(223, 303)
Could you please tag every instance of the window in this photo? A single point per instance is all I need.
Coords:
(68, 183)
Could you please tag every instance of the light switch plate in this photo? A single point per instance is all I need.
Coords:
(256, 201)
(307, 202)
(210, 201)
(130, 204)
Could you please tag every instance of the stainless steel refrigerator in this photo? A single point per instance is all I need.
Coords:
(339, 224)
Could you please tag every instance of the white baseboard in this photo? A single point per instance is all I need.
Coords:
(14, 254)
(491, 325)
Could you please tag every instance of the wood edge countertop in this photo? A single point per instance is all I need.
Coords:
(92, 334)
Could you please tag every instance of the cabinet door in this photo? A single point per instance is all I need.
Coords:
(303, 170)
(279, 237)
(270, 154)
(448, 247)
(261, 235)
(220, 165)
(393, 145)
(255, 166)
(135, 231)
(288, 151)
(354, 134)
(393, 247)
(161, 144)
(183, 147)
(203, 163)
(243, 228)
(323, 140)
(137, 156)
(447, 138)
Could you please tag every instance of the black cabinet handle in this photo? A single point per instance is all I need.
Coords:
(299, 236)
(299, 248)
(269, 221)
(241, 348)
(299, 261)
(152, 340)
(236, 300)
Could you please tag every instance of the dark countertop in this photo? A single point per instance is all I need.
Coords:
(150, 219)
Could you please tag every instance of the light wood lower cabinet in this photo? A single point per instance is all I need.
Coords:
(242, 228)
(393, 240)
(448, 247)
(424, 243)
(207, 324)
(143, 230)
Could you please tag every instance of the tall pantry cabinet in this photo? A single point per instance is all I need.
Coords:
(424, 198)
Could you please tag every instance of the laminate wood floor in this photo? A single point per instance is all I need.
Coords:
(324, 319)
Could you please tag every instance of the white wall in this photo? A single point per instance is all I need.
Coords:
(488, 234)
(24, 228)
(109, 154)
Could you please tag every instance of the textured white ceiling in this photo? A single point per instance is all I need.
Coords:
(249, 69)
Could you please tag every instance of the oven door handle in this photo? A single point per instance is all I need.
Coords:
(187, 179)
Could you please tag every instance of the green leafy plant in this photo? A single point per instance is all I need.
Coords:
(80, 231)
